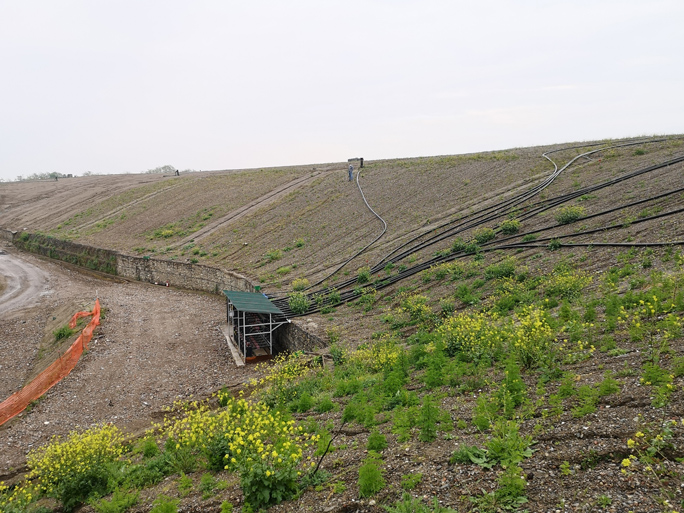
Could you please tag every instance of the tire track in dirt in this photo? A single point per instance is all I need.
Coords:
(43, 201)
(250, 207)
(120, 209)
(24, 284)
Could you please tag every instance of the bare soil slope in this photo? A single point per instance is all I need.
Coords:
(304, 221)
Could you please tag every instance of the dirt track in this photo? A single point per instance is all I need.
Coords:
(155, 344)
(24, 284)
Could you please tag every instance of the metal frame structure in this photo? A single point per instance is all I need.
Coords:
(356, 159)
(252, 319)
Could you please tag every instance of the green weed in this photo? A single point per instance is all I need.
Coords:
(298, 302)
(569, 214)
(376, 441)
(510, 226)
(119, 502)
(410, 481)
(371, 479)
(483, 235)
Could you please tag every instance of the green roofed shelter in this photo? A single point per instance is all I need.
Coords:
(251, 302)
(252, 319)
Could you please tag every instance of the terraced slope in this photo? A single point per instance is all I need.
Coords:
(309, 219)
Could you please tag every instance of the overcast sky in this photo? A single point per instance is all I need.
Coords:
(125, 86)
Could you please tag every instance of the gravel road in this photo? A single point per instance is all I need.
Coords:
(24, 283)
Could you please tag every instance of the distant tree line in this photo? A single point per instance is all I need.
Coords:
(162, 169)
(42, 176)
(167, 169)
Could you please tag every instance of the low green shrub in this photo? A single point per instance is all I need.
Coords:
(483, 235)
(409, 504)
(655, 375)
(410, 481)
(334, 297)
(371, 479)
(273, 255)
(376, 441)
(427, 420)
(506, 446)
(150, 472)
(78, 468)
(678, 367)
(554, 245)
(403, 422)
(417, 308)
(149, 447)
(470, 454)
(509, 496)
(347, 387)
(608, 386)
(298, 302)
(300, 284)
(458, 245)
(119, 502)
(63, 332)
(569, 214)
(282, 271)
(466, 294)
(503, 269)
(207, 485)
(184, 485)
(164, 504)
(181, 459)
(303, 403)
(364, 275)
(566, 284)
(588, 399)
(510, 227)
(325, 405)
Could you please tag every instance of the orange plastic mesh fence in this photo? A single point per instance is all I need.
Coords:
(18, 401)
(76, 317)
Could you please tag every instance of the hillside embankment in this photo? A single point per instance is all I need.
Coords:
(516, 341)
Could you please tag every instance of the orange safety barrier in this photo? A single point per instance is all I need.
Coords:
(18, 401)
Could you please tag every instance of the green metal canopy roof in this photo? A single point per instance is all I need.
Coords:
(251, 302)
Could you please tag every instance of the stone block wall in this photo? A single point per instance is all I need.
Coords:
(7, 235)
(98, 259)
(292, 337)
(181, 274)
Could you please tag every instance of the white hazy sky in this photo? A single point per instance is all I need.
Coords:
(124, 86)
